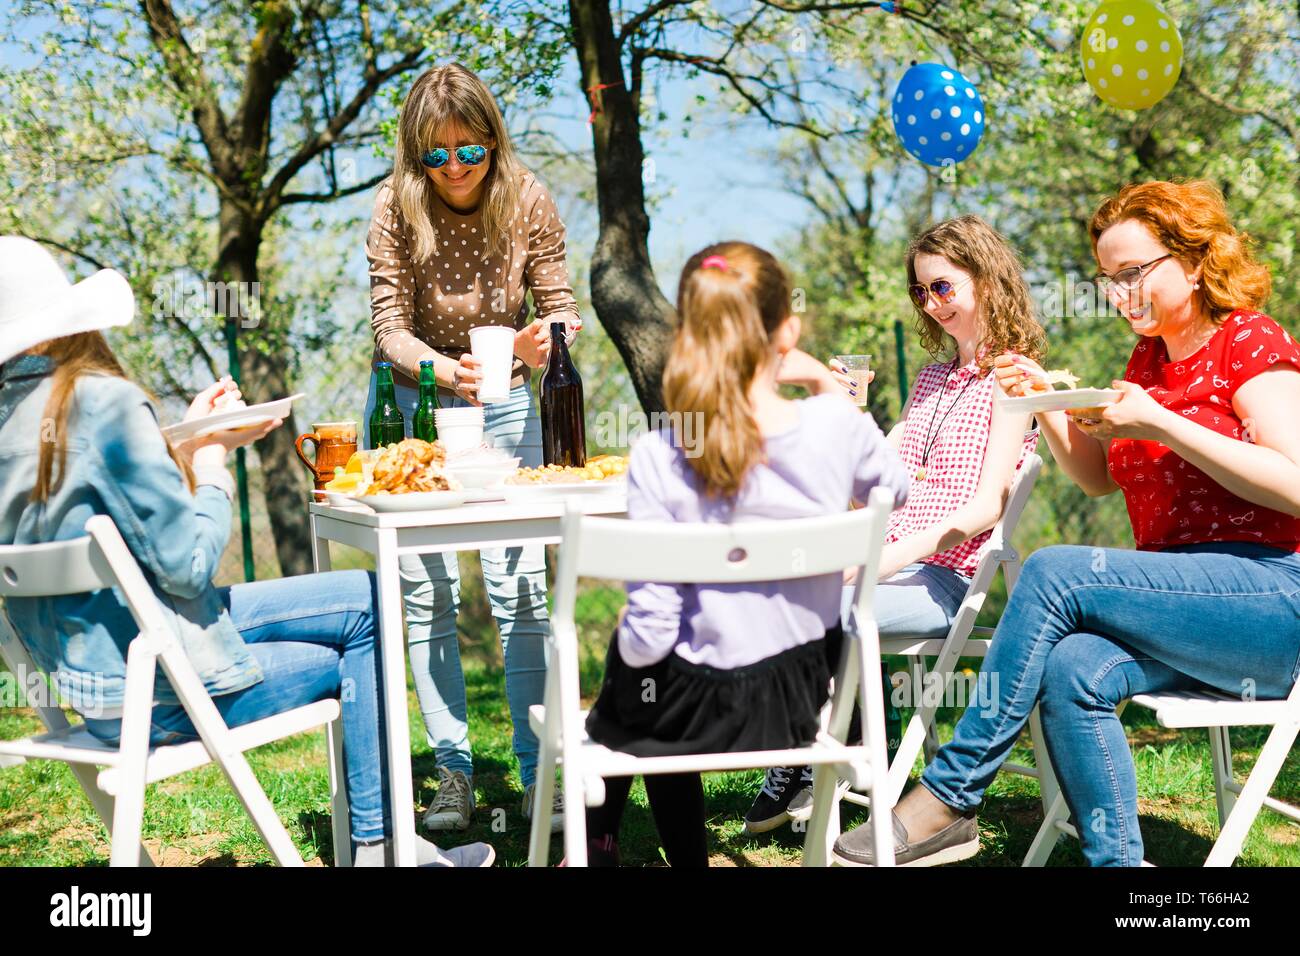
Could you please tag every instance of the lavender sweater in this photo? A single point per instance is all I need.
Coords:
(833, 453)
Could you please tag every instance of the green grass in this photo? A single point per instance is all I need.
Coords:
(194, 819)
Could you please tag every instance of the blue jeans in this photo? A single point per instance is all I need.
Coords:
(515, 580)
(921, 600)
(1088, 627)
(314, 637)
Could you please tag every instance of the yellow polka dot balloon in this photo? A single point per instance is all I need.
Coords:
(1131, 53)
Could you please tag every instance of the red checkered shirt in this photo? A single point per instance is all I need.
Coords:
(952, 469)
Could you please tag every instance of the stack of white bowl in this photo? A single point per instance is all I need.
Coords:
(459, 429)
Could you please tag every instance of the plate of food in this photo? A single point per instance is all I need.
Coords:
(415, 500)
(409, 475)
(1044, 396)
(603, 474)
(247, 416)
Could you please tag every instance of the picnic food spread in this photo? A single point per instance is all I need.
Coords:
(599, 468)
(412, 465)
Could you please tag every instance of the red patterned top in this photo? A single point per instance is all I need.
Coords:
(956, 459)
(1170, 501)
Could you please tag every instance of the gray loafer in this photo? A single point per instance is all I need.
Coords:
(959, 840)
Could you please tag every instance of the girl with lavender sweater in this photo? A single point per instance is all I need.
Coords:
(735, 667)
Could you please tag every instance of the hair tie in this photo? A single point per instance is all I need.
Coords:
(714, 262)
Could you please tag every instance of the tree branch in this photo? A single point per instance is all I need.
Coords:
(270, 60)
(714, 66)
(649, 13)
(1288, 128)
(375, 78)
(186, 70)
(55, 244)
(290, 198)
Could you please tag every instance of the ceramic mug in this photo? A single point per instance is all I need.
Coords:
(335, 443)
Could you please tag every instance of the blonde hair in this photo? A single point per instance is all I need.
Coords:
(727, 313)
(1000, 290)
(444, 96)
(86, 353)
(1190, 219)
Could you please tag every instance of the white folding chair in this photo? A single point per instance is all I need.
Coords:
(101, 559)
(621, 550)
(964, 639)
(1238, 804)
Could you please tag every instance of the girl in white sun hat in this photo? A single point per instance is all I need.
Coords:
(78, 439)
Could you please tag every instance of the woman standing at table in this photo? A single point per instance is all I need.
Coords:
(460, 234)
(1211, 596)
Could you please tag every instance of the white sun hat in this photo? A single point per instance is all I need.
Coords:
(38, 303)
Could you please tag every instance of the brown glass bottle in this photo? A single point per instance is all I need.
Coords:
(564, 430)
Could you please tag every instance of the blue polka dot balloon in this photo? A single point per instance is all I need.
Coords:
(938, 114)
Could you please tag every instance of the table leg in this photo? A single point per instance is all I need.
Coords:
(391, 646)
(320, 548)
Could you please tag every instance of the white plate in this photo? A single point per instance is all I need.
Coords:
(1060, 400)
(338, 499)
(415, 500)
(233, 419)
(553, 490)
(482, 476)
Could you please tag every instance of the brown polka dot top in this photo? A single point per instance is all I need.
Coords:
(417, 308)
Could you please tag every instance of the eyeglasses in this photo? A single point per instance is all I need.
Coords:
(439, 156)
(942, 289)
(1126, 279)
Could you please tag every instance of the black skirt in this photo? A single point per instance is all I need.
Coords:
(676, 707)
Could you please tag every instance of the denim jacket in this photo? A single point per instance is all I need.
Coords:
(117, 465)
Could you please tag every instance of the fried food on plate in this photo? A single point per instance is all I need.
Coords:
(598, 468)
(1049, 380)
(411, 465)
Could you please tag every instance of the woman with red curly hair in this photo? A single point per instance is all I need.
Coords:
(1211, 596)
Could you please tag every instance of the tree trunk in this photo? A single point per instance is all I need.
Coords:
(264, 376)
(624, 292)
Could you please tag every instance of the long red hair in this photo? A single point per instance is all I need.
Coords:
(1190, 219)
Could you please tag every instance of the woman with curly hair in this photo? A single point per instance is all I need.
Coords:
(961, 449)
(1211, 596)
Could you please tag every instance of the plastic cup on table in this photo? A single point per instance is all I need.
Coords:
(494, 347)
(858, 368)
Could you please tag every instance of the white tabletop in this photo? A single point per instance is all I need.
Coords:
(473, 512)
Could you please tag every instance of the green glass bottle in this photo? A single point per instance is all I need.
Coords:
(893, 716)
(425, 428)
(387, 425)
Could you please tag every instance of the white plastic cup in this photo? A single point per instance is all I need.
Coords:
(494, 347)
(858, 368)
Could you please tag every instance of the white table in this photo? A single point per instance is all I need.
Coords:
(386, 536)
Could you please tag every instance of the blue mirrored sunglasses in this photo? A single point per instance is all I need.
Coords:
(439, 156)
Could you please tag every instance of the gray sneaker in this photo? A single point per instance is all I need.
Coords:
(427, 855)
(472, 855)
(557, 807)
(959, 840)
(453, 804)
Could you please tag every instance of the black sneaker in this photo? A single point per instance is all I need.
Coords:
(786, 796)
